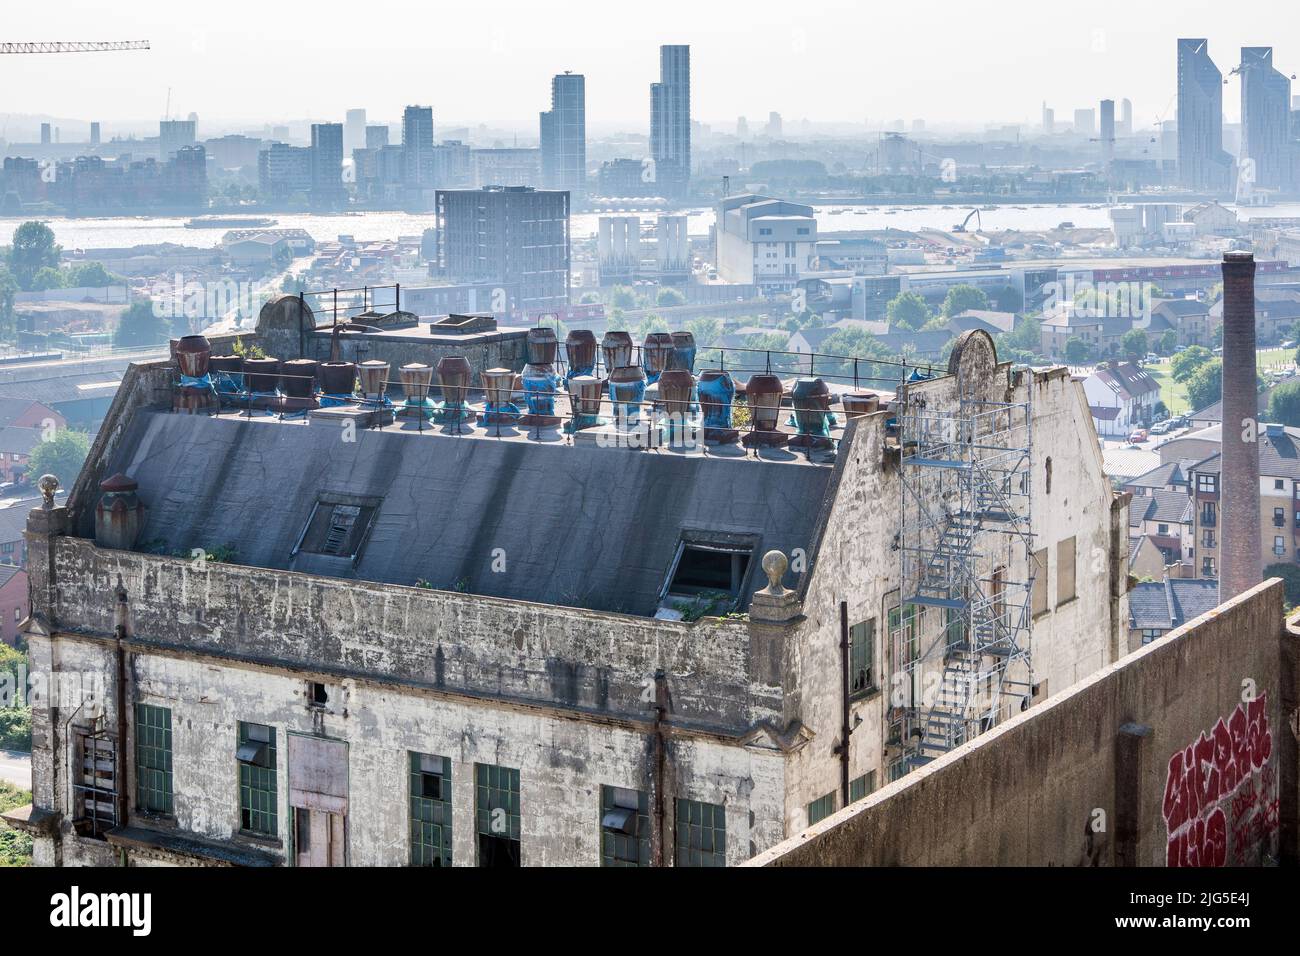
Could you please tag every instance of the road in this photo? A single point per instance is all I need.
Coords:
(16, 768)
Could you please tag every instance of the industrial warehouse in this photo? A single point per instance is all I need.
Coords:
(339, 626)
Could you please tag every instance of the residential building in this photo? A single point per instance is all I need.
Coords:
(1194, 320)
(376, 136)
(1276, 313)
(1203, 164)
(174, 135)
(1279, 489)
(384, 702)
(234, 151)
(417, 147)
(1122, 397)
(1157, 607)
(513, 235)
(1145, 560)
(284, 170)
(354, 130)
(564, 136)
(767, 242)
(327, 164)
(670, 122)
(1267, 143)
(13, 602)
(16, 444)
(1165, 517)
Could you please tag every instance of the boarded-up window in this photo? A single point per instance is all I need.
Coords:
(1039, 605)
(1064, 571)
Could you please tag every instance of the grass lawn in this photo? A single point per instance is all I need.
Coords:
(1172, 393)
(1274, 358)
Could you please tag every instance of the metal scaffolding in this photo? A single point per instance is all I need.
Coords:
(960, 637)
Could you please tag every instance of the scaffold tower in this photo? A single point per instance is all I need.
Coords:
(960, 635)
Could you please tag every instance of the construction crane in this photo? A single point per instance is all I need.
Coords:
(56, 46)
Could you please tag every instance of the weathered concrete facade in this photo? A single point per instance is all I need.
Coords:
(1181, 754)
(741, 712)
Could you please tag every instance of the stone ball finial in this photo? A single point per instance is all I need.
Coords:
(775, 565)
(48, 485)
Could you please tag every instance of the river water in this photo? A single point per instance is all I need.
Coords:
(75, 234)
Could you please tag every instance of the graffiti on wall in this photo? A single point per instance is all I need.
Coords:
(1221, 793)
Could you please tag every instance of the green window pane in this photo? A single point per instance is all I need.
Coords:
(430, 798)
(258, 795)
(701, 834)
(153, 758)
(624, 827)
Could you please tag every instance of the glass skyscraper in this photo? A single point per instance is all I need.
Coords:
(1202, 163)
(1266, 118)
(564, 135)
(670, 121)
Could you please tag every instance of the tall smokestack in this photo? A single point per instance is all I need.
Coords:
(1239, 494)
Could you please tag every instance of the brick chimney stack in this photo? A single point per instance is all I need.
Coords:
(1242, 432)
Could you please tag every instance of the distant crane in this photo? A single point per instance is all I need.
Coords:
(57, 46)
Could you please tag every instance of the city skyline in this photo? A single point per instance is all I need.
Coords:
(1115, 51)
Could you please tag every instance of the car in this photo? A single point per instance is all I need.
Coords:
(1160, 428)
(1137, 436)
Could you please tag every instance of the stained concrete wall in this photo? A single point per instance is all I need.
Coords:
(858, 562)
(598, 663)
(563, 762)
(1098, 774)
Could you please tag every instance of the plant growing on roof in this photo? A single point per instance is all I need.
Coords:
(251, 351)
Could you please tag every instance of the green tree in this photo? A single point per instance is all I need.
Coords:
(706, 331)
(139, 326)
(91, 275)
(1168, 342)
(1284, 404)
(1134, 344)
(1205, 386)
(963, 298)
(47, 277)
(1077, 351)
(33, 249)
(1186, 362)
(621, 297)
(908, 310)
(61, 456)
(668, 298)
(1026, 336)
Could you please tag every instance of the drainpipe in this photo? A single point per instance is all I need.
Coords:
(120, 772)
(842, 748)
(662, 705)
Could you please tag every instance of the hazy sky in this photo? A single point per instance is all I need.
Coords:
(235, 61)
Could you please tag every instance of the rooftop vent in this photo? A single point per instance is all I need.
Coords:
(580, 352)
(655, 352)
(498, 388)
(764, 392)
(616, 349)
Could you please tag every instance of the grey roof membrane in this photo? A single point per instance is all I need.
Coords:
(577, 525)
